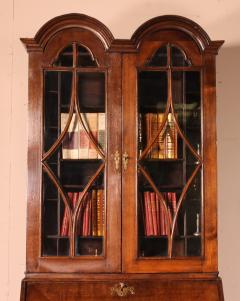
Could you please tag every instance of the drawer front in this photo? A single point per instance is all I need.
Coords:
(141, 290)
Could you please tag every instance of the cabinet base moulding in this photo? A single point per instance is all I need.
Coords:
(97, 288)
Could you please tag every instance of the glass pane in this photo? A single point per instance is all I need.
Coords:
(152, 96)
(85, 58)
(178, 58)
(152, 91)
(188, 227)
(77, 165)
(65, 57)
(166, 167)
(91, 92)
(55, 240)
(187, 106)
(57, 96)
(159, 59)
(152, 99)
(91, 220)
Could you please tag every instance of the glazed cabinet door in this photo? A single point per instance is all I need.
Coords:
(164, 193)
(77, 212)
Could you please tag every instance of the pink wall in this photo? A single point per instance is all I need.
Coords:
(22, 18)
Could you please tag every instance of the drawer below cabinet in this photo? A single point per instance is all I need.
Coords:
(141, 290)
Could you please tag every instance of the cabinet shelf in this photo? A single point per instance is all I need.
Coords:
(81, 187)
(153, 160)
(166, 237)
(165, 188)
(93, 161)
(79, 237)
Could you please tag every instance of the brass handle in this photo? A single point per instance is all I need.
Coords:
(122, 290)
(125, 159)
(117, 160)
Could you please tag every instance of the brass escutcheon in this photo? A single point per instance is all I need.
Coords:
(125, 159)
(122, 290)
(117, 160)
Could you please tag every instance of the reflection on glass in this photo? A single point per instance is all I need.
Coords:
(85, 58)
(178, 57)
(159, 59)
(57, 96)
(152, 91)
(65, 58)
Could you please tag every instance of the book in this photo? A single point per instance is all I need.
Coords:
(100, 212)
(153, 213)
(165, 146)
(146, 213)
(101, 132)
(161, 152)
(154, 131)
(94, 212)
(84, 140)
(155, 218)
(91, 214)
(149, 213)
(76, 143)
(163, 230)
(170, 138)
(73, 197)
(92, 125)
(70, 144)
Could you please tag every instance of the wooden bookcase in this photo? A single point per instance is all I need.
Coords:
(122, 198)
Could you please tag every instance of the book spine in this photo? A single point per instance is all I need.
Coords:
(92, 119)
(70, 144)
(171, 138)
(154, 212)
(100, 211)
(65, 221)
(162, 223)
(89, 228)
(161, 152)
(158, 215)
(154, 131)
(75, 196)
(79, 217)
(146, 209)
(84, 141)
(101, 132)
(94, 212)
(98, 214)
(174, 208)
(150, 213)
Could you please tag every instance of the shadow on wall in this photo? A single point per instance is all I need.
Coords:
(228, 127)
(228, 86)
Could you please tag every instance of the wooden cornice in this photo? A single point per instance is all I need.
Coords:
(168, 22)
(48, 30)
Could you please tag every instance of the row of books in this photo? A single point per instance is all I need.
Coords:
(155, 219)
(90, 221)
(166, 145)
(76, 143)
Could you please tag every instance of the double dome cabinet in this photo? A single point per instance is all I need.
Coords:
(122, 200)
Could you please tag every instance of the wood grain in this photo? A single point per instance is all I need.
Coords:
(91, 278)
